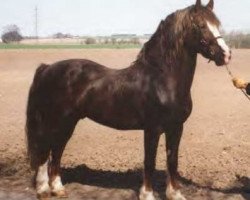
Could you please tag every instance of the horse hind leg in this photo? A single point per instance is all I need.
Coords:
(59, 143)
(39, 152)
(45, 150)
(57, 188)
(38, 140)
(42, 175)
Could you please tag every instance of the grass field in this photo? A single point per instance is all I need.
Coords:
(69, 46)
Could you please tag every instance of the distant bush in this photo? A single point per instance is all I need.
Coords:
(106, 41)
(135, 41)
(11, 37)
(61, 35)
(11, 34)
(113, 40)
(90, 41)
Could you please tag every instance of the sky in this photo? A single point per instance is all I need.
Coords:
(106, 17)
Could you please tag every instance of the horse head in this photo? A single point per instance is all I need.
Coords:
(205, 37)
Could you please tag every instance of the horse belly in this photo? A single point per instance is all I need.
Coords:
(116, 117)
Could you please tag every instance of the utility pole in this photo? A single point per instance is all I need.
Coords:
(36, 23)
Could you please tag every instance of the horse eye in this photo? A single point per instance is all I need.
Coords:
(202, 26)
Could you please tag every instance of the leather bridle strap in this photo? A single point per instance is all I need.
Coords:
(206, 43)
(219, 37)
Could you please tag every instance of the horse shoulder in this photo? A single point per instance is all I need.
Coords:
(174, 103)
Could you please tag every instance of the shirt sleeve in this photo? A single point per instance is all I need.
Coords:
(248, 89)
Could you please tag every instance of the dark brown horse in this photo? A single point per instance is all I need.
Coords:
(153, 95)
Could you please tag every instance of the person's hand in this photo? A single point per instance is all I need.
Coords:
(239, 83)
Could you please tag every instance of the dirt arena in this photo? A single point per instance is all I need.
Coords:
(102, 163)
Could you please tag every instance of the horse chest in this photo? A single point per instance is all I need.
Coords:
(174, 106)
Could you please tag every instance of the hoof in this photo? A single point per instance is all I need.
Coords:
(60, 194)
(146, 195)
(44, 195)
(43, 191)
(175, 195)
(57, 188)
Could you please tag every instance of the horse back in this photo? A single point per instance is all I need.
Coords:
(57, 88)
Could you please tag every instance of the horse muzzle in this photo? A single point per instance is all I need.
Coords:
(224, 58)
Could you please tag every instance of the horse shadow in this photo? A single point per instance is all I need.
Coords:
(241, 186)
(132, 179)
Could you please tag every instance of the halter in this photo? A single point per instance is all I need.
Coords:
(206, 43)
(203, 41)
(219, 37)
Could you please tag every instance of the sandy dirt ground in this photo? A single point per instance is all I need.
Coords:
(102, 163)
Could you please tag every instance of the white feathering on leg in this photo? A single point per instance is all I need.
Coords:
(173, 194)
(146, 195)
(56, 184)
(42, 179)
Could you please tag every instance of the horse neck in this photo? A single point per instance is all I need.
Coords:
(170, 62)
(185, 71)
(182, 70)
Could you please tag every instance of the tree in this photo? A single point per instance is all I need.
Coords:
(11, 33)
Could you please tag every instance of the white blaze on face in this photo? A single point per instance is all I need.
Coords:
(216, 33)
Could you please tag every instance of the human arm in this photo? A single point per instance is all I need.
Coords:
(248, 88)
(241, 84)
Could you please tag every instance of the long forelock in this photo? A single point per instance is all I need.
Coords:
(209, 15)
(182, 21)
(176, 32)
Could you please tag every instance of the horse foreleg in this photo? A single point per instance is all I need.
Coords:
(173, 138)
(151, 139)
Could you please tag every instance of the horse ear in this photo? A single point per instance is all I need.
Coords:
(198, 4)
(210, 5)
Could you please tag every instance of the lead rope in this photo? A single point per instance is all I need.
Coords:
(242, 90)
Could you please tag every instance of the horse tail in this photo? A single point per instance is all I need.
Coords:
(34, 134)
